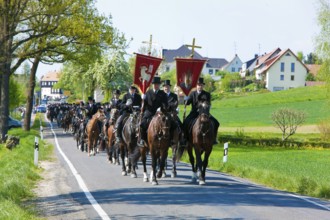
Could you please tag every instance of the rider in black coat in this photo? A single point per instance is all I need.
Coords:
(194, 98)
(132, 98)
(153, 99)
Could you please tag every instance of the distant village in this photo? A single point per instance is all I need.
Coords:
(278, 70)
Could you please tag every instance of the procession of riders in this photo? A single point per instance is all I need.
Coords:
(75, 117)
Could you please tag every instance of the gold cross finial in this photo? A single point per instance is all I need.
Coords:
(193, 46)
(150, 44)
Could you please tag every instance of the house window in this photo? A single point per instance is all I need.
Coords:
(210, 71)
(282, 77)
(282, 67)
(292, 67)
(233, 69)
(292, 77)
(278, 89)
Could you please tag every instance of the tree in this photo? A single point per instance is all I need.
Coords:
(323, 40)
(288, 121)
(300, 56)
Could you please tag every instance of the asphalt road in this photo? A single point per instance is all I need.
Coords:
(91, 188)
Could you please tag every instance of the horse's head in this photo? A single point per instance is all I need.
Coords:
(163, 123)
(114, 114)
(204, 110)
(99, 115)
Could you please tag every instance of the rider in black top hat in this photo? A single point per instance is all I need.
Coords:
(172, 100)
(194, 97)
(153, 99)
(132, 98)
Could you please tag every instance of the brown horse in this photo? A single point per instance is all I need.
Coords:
(159, 142)
(111, 150)
(201, 139)
(93, 131)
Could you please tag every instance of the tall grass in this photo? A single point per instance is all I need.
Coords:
(18, 174)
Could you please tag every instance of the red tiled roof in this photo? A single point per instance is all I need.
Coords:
(51, 76)
(313, 68)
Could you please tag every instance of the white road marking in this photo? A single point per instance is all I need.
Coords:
(80, 180)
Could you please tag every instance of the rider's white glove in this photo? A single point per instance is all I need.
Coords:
(129, 102)
(143, 96)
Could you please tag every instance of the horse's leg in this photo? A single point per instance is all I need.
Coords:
(192, 162)
(205, 163)
(144, 162)
(199, 162)
(154, 159)
(163, 158)
(174, 154)
(122, 155)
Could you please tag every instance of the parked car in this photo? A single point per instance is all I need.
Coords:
(41, 109)
(13, 123)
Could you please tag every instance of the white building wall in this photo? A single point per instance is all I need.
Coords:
(236, 63)
(274, 73)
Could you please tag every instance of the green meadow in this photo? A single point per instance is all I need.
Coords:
(255, 110)
(304, 171)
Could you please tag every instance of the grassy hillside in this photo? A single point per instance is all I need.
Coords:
(256, 110)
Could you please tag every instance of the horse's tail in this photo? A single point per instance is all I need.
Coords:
(135, 155)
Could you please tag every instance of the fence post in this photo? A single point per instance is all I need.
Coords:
(36, 150)
(225, 152)
(41, 130)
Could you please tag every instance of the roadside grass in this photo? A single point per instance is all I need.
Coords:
(18, 174)
(304, 171)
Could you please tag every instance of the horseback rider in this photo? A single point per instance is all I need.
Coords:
(153, 99)
(91, 108)
(172, 100)
(131, 98)
(194, 97)
(115, 102)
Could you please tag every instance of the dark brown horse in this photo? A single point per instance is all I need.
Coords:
(93, 131)
(111, 149)
(129, 148)
(159, 142)
(201, 139)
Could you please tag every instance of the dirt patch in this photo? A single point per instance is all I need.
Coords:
(53, 194)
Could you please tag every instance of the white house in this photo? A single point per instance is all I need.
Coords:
(248, 67)
(47, 82)
(235, 65)
(282, 70)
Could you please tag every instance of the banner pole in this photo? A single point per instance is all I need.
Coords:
(184, 110)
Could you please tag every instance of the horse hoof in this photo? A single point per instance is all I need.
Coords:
(173, 175)
(164, 175)
(124, 173)
(154, 183)
(202, 182)
(193, 180)
(145, 180)
(133, 175)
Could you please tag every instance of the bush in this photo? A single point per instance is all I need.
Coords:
(324, 128)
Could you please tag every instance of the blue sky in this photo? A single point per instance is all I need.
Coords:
(221, 27)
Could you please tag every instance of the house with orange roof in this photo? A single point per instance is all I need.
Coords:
(281, 70)
(47, 82)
